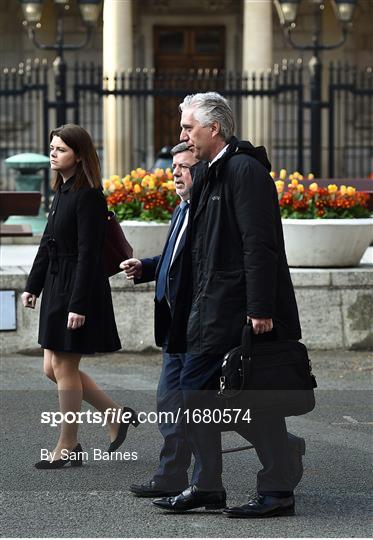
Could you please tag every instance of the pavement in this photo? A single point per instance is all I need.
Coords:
(333, 499)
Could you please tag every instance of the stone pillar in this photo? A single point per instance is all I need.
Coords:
(257, 57)
(117, 57)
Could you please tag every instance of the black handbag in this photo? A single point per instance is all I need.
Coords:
(268, 377)
(116, 246)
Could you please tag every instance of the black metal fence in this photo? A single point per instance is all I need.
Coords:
(273, 107)
(350, 121)
(271, 104)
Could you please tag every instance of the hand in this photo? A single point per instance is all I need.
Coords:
(132, 268)
(260, 326)
(28, 300)
(75, 321)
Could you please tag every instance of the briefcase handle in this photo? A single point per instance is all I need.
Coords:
(247, 339)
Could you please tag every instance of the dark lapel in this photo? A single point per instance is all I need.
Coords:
(172, 224)
(201, 193)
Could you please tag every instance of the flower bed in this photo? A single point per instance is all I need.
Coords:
(142, 195)
(314, 202)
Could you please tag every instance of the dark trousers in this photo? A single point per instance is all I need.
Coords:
(189, 382)
(176, 453)
(199, 382)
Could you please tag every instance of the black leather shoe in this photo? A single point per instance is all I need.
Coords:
(153, 489)
(123, 428)
(297, 449)
(192, 498)
(75, 459)
(263, 506)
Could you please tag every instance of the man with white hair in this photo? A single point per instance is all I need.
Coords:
(234, 270)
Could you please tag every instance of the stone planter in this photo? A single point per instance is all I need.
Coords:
(332, 243)
(146, 237)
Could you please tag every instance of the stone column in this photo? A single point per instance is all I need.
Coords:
(118, 57)
(257, 57)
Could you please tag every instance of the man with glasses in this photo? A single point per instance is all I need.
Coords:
(171, 476)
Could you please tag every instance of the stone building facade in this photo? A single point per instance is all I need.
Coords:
(234, 35)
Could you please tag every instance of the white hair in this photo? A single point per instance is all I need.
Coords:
(209, 107)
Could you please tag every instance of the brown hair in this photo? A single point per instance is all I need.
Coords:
(88, 168)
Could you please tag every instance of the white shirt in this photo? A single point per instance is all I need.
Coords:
(218, 156)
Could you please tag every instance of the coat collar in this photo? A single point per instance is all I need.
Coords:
(206, 175)
(67, 185)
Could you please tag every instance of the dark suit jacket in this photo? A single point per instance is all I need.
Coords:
(150, 270)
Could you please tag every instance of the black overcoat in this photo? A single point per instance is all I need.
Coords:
(234, 264)
(68, 268)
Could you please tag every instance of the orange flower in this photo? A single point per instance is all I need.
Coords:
(351, 191)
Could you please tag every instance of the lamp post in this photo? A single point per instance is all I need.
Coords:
(90, 10)
(287, 12)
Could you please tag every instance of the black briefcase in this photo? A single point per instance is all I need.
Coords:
(269, 377)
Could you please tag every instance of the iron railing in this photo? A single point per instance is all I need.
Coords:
(273, 107)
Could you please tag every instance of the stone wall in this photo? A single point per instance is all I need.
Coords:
(336, 310)
(15, 46)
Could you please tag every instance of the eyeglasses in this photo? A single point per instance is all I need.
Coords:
(182, 167)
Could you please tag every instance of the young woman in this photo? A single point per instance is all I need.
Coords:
(76, 314)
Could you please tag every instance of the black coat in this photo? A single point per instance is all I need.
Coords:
(68, 268)
(235, 263)
(163, 312)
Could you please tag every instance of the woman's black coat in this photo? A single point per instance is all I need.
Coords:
(68, 268)
(234, 260)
